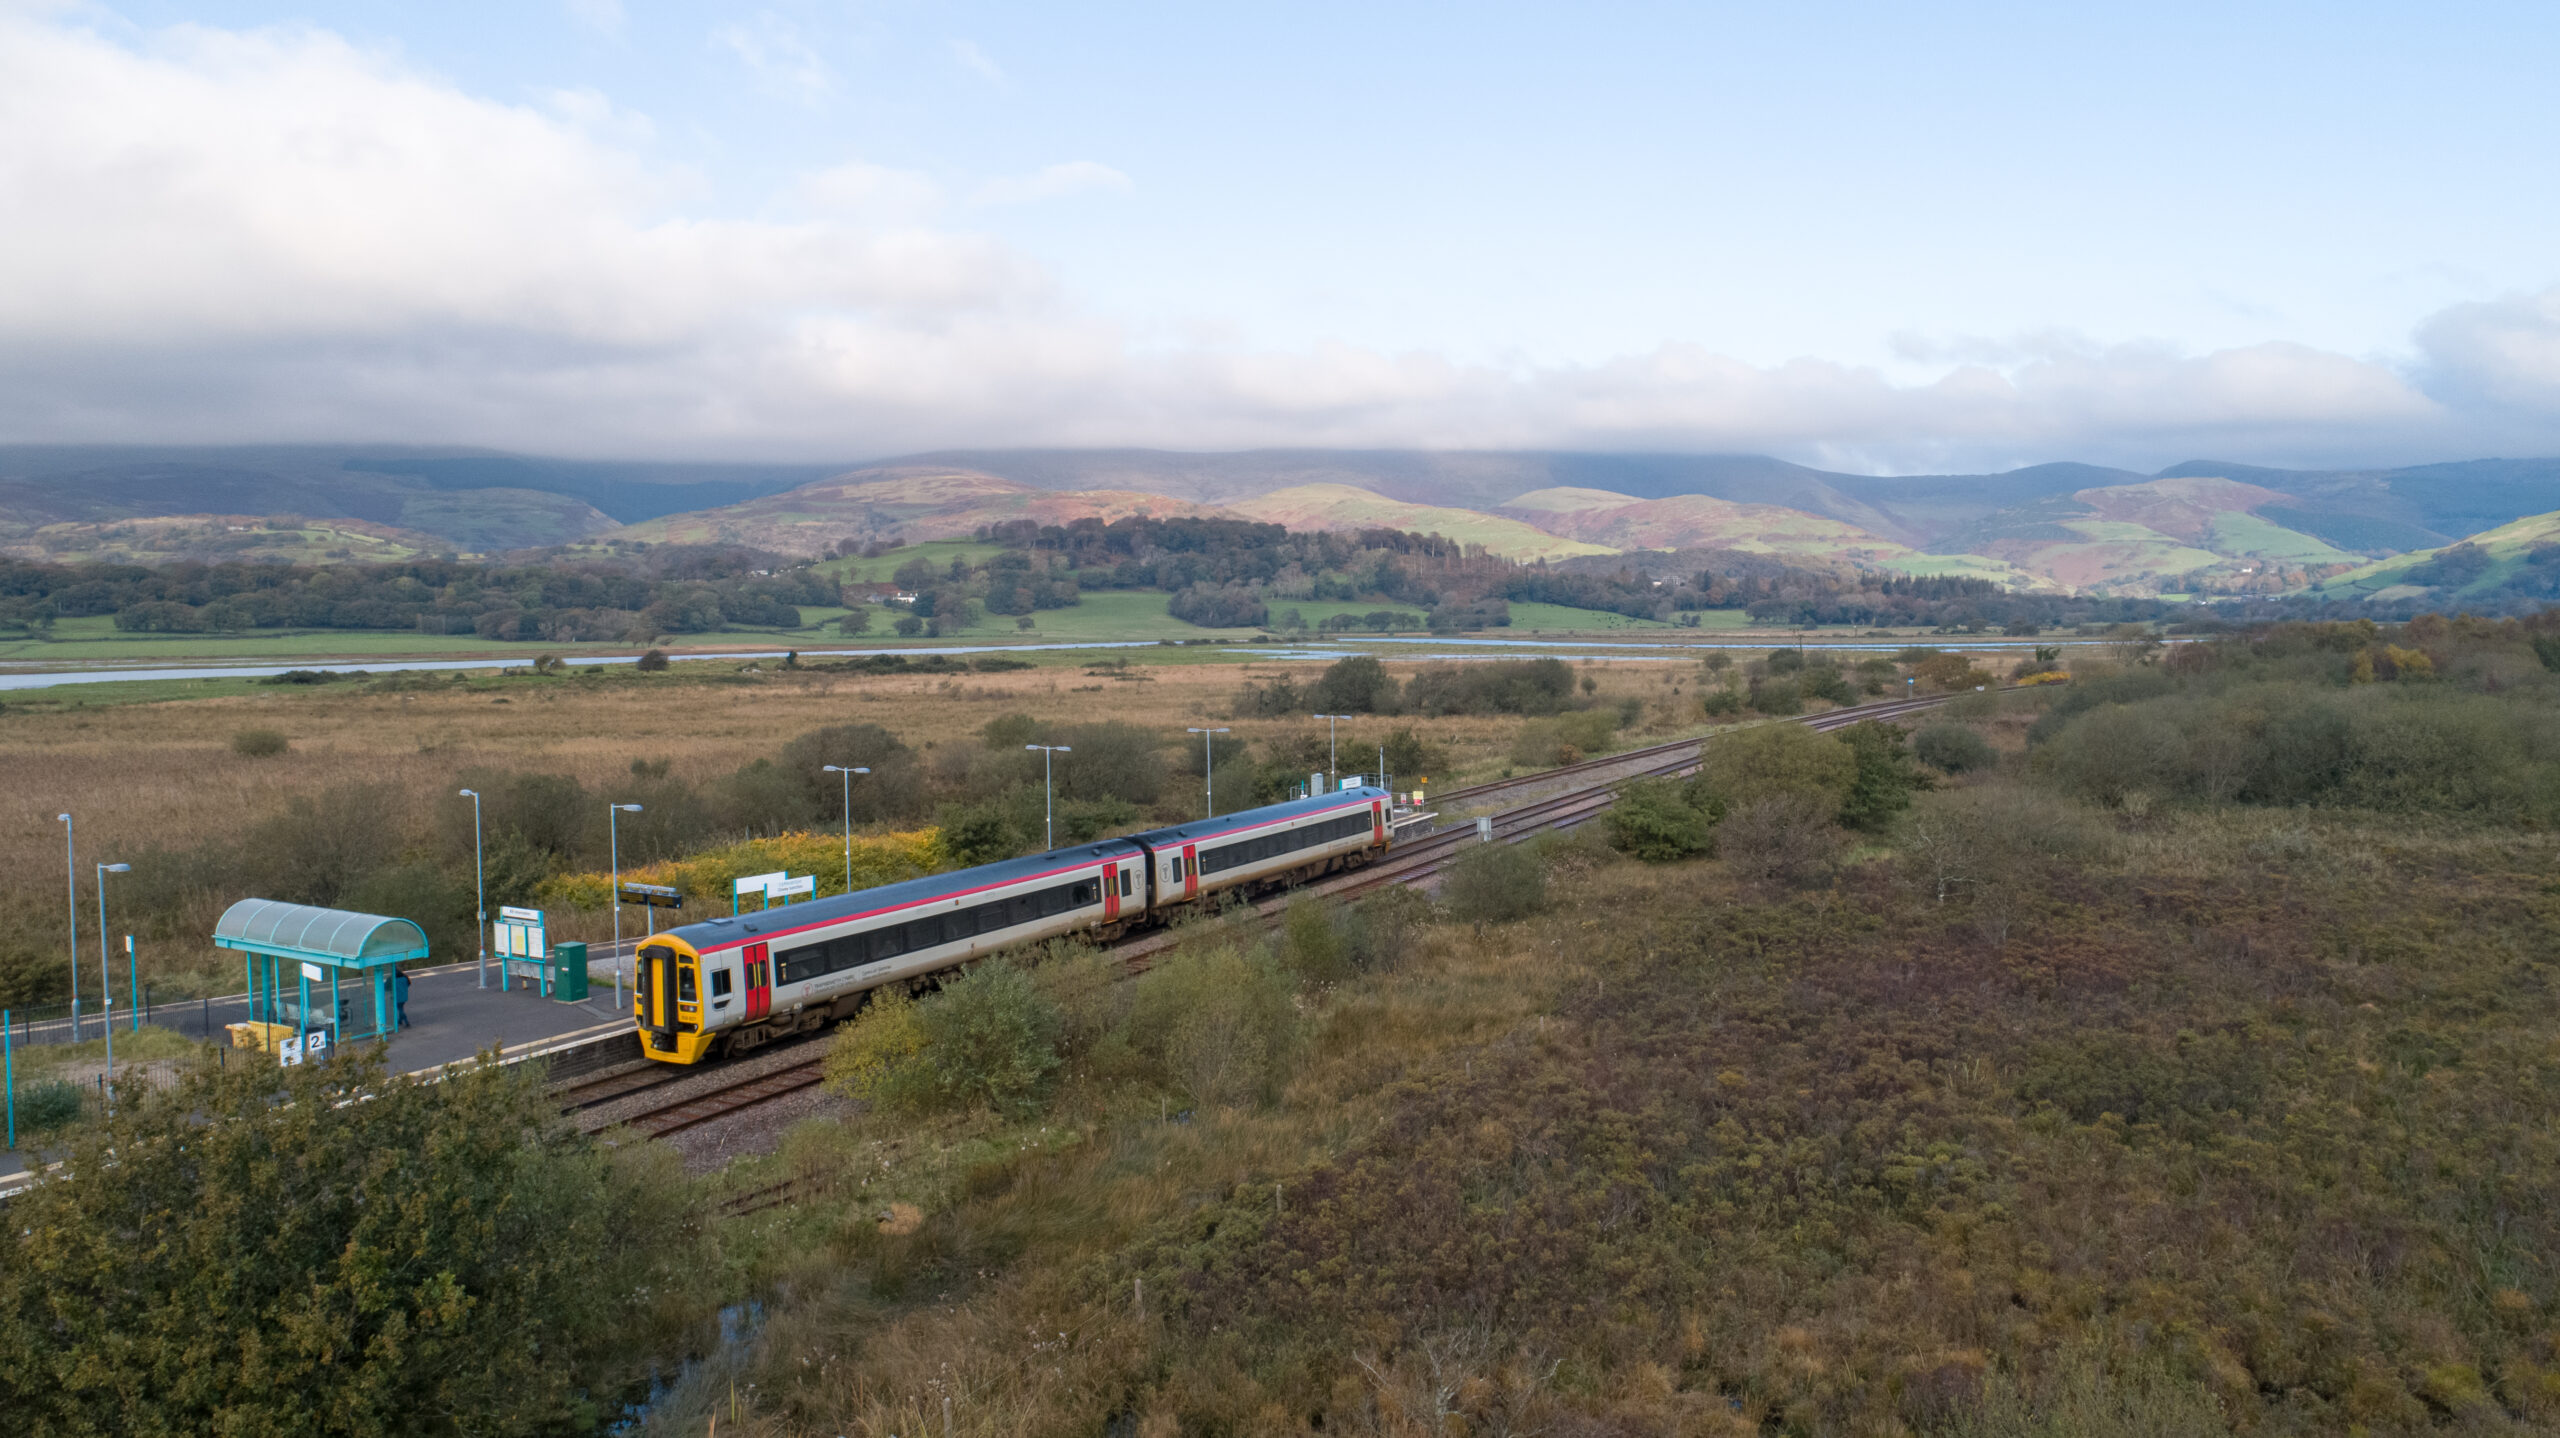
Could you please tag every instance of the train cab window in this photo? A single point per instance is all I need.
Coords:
(719, 983)
(684, 983)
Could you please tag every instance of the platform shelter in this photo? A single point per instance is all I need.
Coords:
(288, 946)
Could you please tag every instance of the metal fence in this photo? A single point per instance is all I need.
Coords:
(52, 1023)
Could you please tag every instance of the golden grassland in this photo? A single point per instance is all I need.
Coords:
(139, 777)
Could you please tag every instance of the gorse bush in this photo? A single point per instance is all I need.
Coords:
(1565, 738)
(1771, 760)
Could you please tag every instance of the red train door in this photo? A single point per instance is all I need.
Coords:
(759, 981)
(1190, 870)
(1377, 822)
(1111, 891)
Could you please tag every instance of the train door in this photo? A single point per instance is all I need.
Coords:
(759, 982)
(1111, 892)
(1190, 871)
(1377, 822)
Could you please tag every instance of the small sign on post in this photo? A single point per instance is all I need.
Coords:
(288, 1052)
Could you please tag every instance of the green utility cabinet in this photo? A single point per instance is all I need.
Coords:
(568, 972)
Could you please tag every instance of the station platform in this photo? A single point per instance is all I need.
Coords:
(451, 1017)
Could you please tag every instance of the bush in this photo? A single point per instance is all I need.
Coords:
(337, 1266)
(1782, 838)
(653, 662)
(1885, 778)
(1503, 686)
(1494, 884)
(1655, 820)
(1221, 1024)
(1356, 685)
(1953, 749)
(49, 1104)
(259, 743)
(988, 1038)
(1565, 738)
(1777, 759)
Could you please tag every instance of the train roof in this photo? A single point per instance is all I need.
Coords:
(715, 933)
(1199, 829)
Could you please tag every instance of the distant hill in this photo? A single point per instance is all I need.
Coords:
(464, 501)
(1342, 506)
(1695, 521)
(907, 502)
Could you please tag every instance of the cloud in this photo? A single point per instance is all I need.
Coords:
(771, 49)
(276, 235)
(1076, 177)
(975, 61)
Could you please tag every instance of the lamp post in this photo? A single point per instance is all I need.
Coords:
(1330, 755)
(480, 877)
(106, 971)
(848, 817)
(71, 902)
(1049, 789)
(613, 836)
(1208, 766)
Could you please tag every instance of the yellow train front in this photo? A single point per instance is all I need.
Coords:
(731, 985)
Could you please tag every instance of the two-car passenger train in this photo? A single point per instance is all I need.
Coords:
(730, 984)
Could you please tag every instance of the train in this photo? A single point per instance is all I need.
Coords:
(730, 985)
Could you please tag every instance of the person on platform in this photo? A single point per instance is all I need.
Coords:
(400, 997)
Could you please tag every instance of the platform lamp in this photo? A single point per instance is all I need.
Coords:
(480, 877)
(106, 970)
(1330, 760)
(613, 836)
(71, 902)
(848, 816)
(1049, 789)
(1208, 766)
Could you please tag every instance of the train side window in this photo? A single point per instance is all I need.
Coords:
(719, 983)
(1124, 883)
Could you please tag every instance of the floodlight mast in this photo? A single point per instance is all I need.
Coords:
(106, 970)
(1332, 759)
(480, 878)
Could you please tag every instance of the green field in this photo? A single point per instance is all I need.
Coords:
(878, 570)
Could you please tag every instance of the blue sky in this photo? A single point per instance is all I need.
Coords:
(1876, 237)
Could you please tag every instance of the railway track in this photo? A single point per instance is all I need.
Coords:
(1413, 862)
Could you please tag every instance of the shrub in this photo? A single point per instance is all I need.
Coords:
(1953, 749)
(49, 1104)
(1494, 884)
(653, 662)
(1780, 839)
(1355, 685)
(1502, 686)
(1655, 820)
(1776, 697)
(1311, 941)
(259, 743)
(1885, 778)
(1221, 1024)
(1564, 738)
(1720, 704)
(988, 1037)
(1775, 759)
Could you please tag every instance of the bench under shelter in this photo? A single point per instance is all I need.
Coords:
(289, 948)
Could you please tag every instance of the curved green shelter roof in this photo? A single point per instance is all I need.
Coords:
(330, 936)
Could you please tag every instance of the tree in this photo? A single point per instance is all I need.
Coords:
(1356, 685)
(1885, 778)
(653, 662)
(855, 620)
(253, 1252)
(1777, 759)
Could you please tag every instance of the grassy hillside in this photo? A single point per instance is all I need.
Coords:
(912, 503)
(1338, 506)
